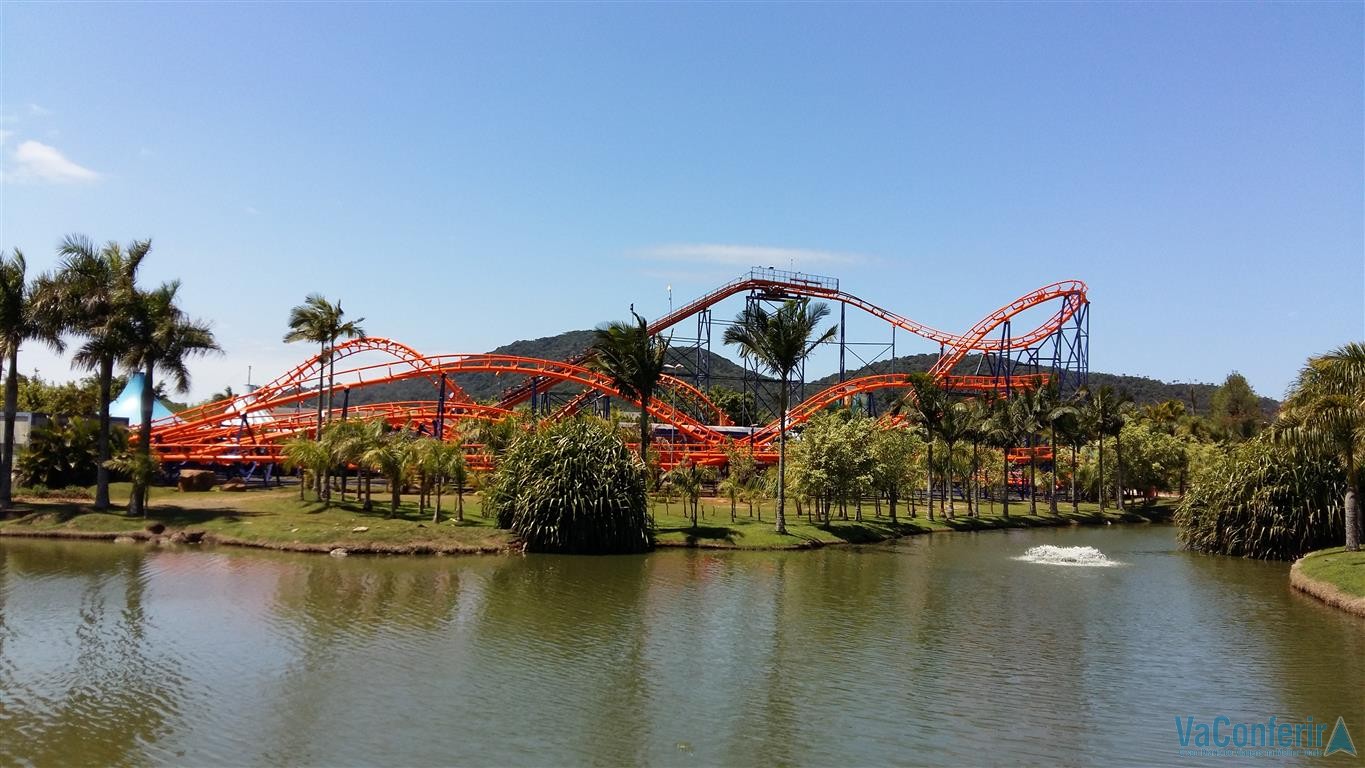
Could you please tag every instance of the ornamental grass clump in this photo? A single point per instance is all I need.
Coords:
(572, 487)
(1264, 501)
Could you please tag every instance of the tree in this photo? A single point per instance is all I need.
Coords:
(738, 406)
(93, 292)
(1325, 410)
(1028, 409)
(309, 455)
(1058, 415)
(393, 458)
(780, 341)
(322, 322)
(955, 427)
(634, 360)
(160, 338)
(25, 315)
(926, 405)
(1103, 417)
(1236, 409)
(688, 478)
(894, 450)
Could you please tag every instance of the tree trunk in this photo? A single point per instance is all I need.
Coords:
(644, 430)
(1118, 469)
(1052, 488)
(137, 503)
(11, 405)
(1005, 497)
(102, 470)
(929, 486)
(1352, 518)
(1032, 477)
(782, 456)
(1075, 500)
(322, 379)
(891, 501)
(948, 485)
(395, 495)
(1101, 480)
(436, 518)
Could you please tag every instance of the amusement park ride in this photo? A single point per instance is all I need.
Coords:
(248, 431)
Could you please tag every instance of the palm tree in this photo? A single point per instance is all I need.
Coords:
(392, 457)
(1325, 410)
(25, 315)
(978, 425)
(1002, 431)
(307, 454)
(634, 361)
(926, 405)
(1102, 418)
(780, 341)
(954, 428)
(1056, 412)
(161, 337)
(320, 321)
(1029, 408)
(94, 289)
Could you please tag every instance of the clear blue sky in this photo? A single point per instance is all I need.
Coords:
(467, 175)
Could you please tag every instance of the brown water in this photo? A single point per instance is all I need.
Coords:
(940, 650)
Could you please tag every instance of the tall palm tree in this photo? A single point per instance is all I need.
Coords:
(954, 428)
(1102, 417)
(322, 322)
(25, 315)
(780, 341)
(978, 425)
(94, 291)
(634, 361)
(1325, 410)
(1029, 408)
(925, 405)
(161, 337)
(1057, 414)
(1000, 432)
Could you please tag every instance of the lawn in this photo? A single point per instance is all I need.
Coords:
(1343, 570)
(276, 518)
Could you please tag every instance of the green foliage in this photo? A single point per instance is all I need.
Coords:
(738, 406)
(634, 361)
(1236, 409)
(1264, 501)
(61, 455)
(572, 487)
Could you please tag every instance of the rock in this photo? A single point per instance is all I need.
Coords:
(360, 529)
(178, 537)
(233, 486)
(124, 540)
(339, 552)
(194, 537)
(156, 528)
(197, 480)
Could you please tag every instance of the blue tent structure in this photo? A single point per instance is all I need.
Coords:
(128, 405)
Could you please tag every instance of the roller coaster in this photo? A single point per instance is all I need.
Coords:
(990, 357)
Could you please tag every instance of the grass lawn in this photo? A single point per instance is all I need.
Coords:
(714, 528)
(1343, 570)
(276, 518)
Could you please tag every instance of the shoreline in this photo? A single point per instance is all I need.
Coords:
(1325, 591)
(183, 535)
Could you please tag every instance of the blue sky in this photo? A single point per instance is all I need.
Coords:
(467, 175)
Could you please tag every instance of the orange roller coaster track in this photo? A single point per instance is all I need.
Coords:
(253, 427)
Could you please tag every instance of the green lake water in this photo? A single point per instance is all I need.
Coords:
(939, 650)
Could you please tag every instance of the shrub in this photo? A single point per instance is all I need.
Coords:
(1264, 501)
(572, 487)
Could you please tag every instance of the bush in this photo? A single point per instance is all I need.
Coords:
(572, 487)
(62, 455)
(1264, 501)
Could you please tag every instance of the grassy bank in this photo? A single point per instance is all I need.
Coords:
(277, 519)
(1334, 576)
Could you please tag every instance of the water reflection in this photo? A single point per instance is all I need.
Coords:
(937, 650)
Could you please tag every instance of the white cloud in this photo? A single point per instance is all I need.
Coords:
(747, 255)
(36, 111)
(252, 210)
(36, 161)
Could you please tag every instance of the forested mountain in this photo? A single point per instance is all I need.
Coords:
(725, 372)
